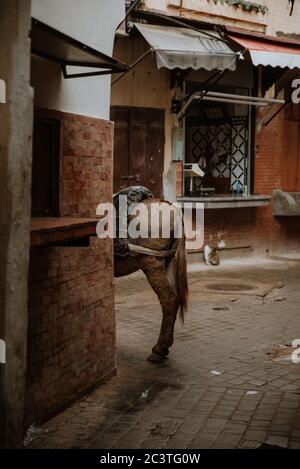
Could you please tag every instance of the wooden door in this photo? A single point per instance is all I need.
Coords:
(138, 148)
(120, 116)
(138, 154)
(155, 152)
(290, 159)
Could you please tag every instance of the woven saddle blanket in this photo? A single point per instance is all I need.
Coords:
(135, 195)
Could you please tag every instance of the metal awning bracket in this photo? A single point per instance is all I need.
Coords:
(51, 44)
(134, 64)
(266, 119)
(227, 98)
(67, 75)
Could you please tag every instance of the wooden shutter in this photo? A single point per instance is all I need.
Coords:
(290, 160)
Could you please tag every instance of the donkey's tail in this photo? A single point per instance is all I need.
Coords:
(181, 280)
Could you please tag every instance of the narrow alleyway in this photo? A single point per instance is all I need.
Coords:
(227, 383)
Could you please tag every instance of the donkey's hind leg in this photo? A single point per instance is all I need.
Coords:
(155, 271)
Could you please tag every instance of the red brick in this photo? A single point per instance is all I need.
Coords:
(71, 337)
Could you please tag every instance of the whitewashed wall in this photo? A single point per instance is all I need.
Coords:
(277, 18)
(92, 22)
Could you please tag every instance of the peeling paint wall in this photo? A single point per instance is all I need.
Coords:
(276, 19)
(210, 12)
(279, 19)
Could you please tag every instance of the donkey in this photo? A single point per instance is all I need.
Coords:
(163, 261)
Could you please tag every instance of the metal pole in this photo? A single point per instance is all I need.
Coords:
(219, 76)
(229, 98)
(132, 65)
(189, 26)
(129, 11)
(247, 98)
(234, 101)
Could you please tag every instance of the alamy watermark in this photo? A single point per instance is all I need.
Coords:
(296, 93)
(153, 220)
(2, 352)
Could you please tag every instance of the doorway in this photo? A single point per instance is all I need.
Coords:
(45, 167)
(139, 138)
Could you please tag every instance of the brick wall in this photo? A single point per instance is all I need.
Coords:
(86, 165)
(238, 226)
(71, 332)
(275, 233)
(257, 227)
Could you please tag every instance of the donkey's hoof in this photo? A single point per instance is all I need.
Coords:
(156, 358)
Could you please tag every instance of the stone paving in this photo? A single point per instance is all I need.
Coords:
(220, 387)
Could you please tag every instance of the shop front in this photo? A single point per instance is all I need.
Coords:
(222, 103)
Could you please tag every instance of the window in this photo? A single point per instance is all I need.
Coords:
(217, 138)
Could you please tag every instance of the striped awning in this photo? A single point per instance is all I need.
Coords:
(269, 51)
(186, 48)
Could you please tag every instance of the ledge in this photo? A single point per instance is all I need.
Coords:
(57, 230)
(286, 204)
(228, 201)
